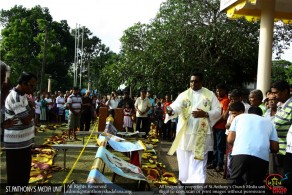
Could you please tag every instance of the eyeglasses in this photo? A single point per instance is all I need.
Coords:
(194, 81)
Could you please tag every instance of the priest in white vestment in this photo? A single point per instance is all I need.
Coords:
(198, 110)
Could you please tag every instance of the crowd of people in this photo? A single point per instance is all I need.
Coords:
(23, 109)
(254, 136)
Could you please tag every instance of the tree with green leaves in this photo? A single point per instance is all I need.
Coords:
(23, 39)
(281, 70)
(187, 36)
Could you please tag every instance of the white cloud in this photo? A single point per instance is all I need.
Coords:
(288, 54)
(107, 19)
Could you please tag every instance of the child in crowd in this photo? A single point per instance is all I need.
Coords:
(158, 115)
(128, 123)
(37, 110)
(66, 114)
(43, 116)
(60, 101)
(232, 115)
(50, 105)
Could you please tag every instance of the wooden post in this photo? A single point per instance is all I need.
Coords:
(119, 119)
(103, 113)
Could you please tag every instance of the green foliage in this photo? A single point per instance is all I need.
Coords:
(22, 46)
(187, 36)
(281, 70)
(282, 38)
(183, 37)
(14, 51)
(288, 73)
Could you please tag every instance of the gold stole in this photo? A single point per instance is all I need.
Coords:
(203, 124)
(201, 139)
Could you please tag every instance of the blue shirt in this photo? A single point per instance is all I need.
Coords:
(152, 105)
(253, 135)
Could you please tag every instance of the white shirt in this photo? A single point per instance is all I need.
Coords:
(60, 102)
(246, 106)
(113, 104)
(142, 105)
(19, 135)
(49, 100)
(76, 102)
(253, 135)
(289, 140)
(97, 102)
(268, 115)
(37, 107)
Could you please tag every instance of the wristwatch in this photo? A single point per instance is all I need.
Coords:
(207, 115)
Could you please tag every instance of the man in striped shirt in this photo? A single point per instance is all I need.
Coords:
(18, 138)
(283, 117)
(74, 102)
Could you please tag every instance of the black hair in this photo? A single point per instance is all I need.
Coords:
(221, 86)
(255, 110)
(281, 85)
(25, 77)
(235, 93)
(75, 88)
(126, 90)
(198, 74)
(268, 91)
(237, 106)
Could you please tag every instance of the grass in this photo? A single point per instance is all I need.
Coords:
(82, 167)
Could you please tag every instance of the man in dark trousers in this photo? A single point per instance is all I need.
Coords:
(253, 137)
(19, 138)
(86, 114)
